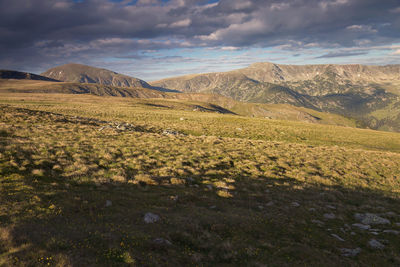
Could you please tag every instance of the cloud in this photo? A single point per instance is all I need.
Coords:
(342, 54)
(38, 33)
(181, 23)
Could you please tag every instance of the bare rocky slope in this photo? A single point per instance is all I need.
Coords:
(370, 94)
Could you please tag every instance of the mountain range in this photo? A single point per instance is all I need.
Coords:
(368, 95)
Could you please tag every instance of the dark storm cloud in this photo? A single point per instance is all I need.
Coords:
(38, 33)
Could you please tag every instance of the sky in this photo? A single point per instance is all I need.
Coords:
(154, 39)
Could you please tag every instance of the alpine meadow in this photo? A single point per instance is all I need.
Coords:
(199, 133)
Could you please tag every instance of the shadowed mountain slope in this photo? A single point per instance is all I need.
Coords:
(18, 75)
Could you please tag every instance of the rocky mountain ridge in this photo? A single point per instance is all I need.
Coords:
(367, 93)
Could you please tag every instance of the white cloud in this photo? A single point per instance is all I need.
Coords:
(363, 28)
(181, 23)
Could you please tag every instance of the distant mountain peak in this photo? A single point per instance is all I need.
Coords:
(74, 72)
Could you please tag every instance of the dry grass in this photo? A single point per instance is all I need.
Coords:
(224, 197)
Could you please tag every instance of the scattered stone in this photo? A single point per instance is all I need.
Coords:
(239, 129)
(213, 207)
(151, 218)
(331, 207)
(108, 203)
(170, 132)
(318, 222)
(390, 214)
(374, 233)
(162, 242)
(375, 244)
(329, 216)
(348, 252)
(182, 119)
(269, 204)
(375, 230)
(266, 190)
(210, 187)
(352, 233)
(370, 218)
(337, 237)
(295, 204)
(260, 207)
(312, 209)
(361, 226)
(397, 224)
(391, 232)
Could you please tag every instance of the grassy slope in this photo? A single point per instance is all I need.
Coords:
(224, 198)
(285, 112)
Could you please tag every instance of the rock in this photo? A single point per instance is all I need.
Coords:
(391, 232)
(374, 233)
(162, 242)
(213, 207)
(370, 218)
(295, 204)
(337, 237)
(108, 203)
(260, 207)
(269, 204)
(182, 119)
(121, 127)
(266, 190)
(318, 222)
(331, 207)
(352, 233)
(375, 230)
(151, 218)
(361, 226)
(375, 244)
(312, 209)
(329, 216)
(239, 129)
(397, 224)
(348, 252)
(170, 132)
(210, 187)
